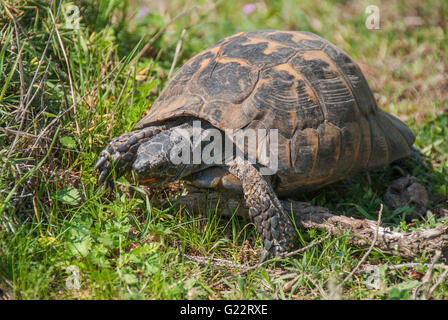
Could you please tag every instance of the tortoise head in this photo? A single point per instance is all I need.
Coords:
(164, 158)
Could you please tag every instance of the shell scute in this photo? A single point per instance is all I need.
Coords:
(225, 80)
(261, 53)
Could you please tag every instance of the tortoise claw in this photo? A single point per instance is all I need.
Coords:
(102, 158)
(103, 176)
(103, 165)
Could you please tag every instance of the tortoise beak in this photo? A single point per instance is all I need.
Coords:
(148, 180)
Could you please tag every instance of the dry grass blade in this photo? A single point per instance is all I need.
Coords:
(161, 31)
(364, 257)
(441, 280)
(21, 133)
(290, 284)
(69, 72)
(414, 265)
(20, 117)
(303, 249)
(176, 54)
(72, 106)
(427, 278)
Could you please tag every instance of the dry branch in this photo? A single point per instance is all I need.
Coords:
(362, 233)
(404, 244)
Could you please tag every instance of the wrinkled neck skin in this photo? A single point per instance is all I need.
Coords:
(173, 153)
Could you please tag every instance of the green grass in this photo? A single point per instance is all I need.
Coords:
(127, 244)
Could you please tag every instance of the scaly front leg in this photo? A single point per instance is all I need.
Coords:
(265, 209)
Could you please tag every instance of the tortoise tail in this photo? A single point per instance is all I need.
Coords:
(391, 139)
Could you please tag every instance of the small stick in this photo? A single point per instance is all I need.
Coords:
(242, 229)
(303, 249)
(364, 257)
(69, 72)
(427, 278)
(438, 283)
(415, 265)
(21, 133)
(321, 291)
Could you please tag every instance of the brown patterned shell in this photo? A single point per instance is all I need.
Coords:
(310, 90)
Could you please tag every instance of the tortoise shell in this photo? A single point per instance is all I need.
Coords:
(328, 122)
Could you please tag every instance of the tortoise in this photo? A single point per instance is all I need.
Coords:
(297, 84)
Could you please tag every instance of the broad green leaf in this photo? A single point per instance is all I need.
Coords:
(68, 196)
(68, 142)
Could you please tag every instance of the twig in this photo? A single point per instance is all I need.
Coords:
(364, 257)
(321, 291)
(427, 278)
(243, 228)
(414, 265)
(214, 261)
(438, 283)
(111, 123)
(303, 249)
